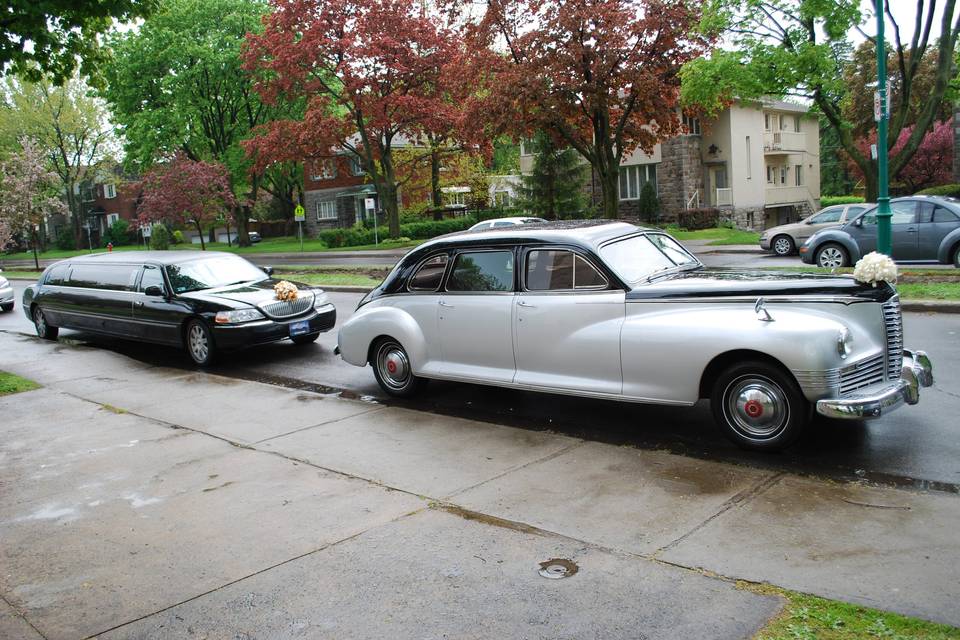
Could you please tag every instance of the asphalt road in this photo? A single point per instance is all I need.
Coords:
(915, 446)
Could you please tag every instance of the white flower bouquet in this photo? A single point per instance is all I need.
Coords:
(875, 267)
(286, 291)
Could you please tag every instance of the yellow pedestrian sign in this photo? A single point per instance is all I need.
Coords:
(299, 214)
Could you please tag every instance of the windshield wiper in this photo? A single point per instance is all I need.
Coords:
(666, 271)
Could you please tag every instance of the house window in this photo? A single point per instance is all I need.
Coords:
(783, 175)
(502, 198)
(749, 170)
(356, 169)
(766, 121)
(783, 122)
(327, 210)
(634, 177)
(691, 125)
(111, 218)
(109, 191)
(796, 124)
(770, 174)
(324, 170)
(457, 198)
(526, 147)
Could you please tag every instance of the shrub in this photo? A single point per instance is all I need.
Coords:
(693, 219)
(159, 238)
(648, 205)
(177, 237)
(117, 234)
(353, 237)
(66, 240)
(829, 201)
(949, 190)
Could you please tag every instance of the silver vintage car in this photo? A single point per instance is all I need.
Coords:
(612, 310)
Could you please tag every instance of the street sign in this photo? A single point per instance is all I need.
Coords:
(877, 113)
(147, 230)
(299, 213)
(369, 204)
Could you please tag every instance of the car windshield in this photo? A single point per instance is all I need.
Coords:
(213, 272)
(642, 256)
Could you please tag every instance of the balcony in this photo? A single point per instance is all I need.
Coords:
(782, 142)
(786, 195)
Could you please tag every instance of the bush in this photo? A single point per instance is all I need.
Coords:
(178, 237)
(159, 238)
(66, 240)
(117, 234)
(949, 190)
(829, 201)
(694, 219)
(353, 237)
(648, 205)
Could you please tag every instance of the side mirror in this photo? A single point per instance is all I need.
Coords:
(268, 270)
(858, 222)
(154, 291)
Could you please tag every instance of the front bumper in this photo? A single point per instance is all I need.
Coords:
(882, 398)
(765, 244)
(239, 336)
(806, 255)
(6, 295)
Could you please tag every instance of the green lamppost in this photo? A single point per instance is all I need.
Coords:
(881, 115)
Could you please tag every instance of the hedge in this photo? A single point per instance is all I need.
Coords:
(829, 201)
(950, 190)
(693, 219)
(353, 237)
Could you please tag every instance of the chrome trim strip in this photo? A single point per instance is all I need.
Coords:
(753, 299)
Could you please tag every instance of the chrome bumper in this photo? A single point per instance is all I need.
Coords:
(882, 398)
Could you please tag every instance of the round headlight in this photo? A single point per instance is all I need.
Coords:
(844, 340)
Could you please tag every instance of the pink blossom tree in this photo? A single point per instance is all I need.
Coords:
(931, 165)
(186, 192)
(6, 234)
(29, 193)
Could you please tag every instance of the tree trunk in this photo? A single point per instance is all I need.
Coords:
(75, 214)
(871, 182)
(609, 193)
(388, 195)
(203, 246)
(36, 259)
(435, 195)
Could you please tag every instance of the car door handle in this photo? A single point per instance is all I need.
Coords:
(911, 230)
(444, 304)
(526, 304)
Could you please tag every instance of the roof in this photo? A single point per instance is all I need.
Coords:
(153, 257)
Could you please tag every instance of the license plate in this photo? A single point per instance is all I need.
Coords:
(299, 328)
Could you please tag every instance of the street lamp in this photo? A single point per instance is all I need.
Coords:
(881, 114)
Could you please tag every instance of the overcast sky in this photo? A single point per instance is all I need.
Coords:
(905, 12)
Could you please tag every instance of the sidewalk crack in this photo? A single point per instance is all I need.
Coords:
(21, 615)
(320, 424)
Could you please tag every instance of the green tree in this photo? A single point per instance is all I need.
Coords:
(802, 48)
(59, 32)
(554, 187)
(177, 85)
(648, 205)
(835, 179)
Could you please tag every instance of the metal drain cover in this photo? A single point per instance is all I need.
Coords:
(557, 568)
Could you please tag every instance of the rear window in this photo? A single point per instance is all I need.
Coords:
(113, 277)
(57, 275)
(482, 271)
(429, 275)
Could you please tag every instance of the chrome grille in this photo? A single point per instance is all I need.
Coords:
(893, 324)
(861, 374)
(287, 309)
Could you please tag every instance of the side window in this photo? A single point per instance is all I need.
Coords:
(870, 217)
(853, 212)
(114, 277)
(549, 270)
(903, 212)
(502, 223)
(828, 215)
(482, 271)
(57, 275)
(585, 275)
(481, 226)
(151, 278)
(941, 214)
(429, 275)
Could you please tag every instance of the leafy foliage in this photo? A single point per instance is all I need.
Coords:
(949, 190)
(829, 201)
(932, 163)
(159, 237)
(554, 187)
(66, 240)
(649, 205)
(118, 234)
(353, 237)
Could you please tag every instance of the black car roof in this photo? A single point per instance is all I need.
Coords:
(146, 257)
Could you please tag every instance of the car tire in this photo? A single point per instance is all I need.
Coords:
(6, 308)
(44, 329)
(783, 245)
(956, 256)
(759, 406)
(391, 367)
(831, 256)
(306, 338)
(198, 341)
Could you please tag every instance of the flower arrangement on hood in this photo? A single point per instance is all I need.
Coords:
(286, 291)
(875, 267)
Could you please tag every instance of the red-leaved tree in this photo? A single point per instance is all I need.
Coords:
(186, 192)
(931, 165)
(6, 234)
(373, 74)
(600, 75)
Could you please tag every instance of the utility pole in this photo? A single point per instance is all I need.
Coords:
(881, 112)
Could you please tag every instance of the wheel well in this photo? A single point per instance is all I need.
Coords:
(784, 235)
(953, 251)
(721, 362)
(373, 343)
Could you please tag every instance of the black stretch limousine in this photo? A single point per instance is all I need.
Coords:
(204, 301)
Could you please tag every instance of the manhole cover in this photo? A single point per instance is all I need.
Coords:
(558, 568)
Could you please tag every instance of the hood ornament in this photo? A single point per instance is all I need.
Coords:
(760, 308)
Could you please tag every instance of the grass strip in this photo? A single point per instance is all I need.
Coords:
(11, 383)
(808, 617)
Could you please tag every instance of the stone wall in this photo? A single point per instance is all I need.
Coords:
(760, 218)
(679, 175)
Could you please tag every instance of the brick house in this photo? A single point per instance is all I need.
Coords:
(335, 190)
(758, 163)
(109, 201)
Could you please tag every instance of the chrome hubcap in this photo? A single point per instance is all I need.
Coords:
(199, 348)
(831, 257)
(757, 407)
(782, 246)
(393, 366)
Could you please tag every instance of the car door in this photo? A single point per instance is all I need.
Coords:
(101, 297)
(476, 316)
(157, 318)
(904, 230)
(936, 221)
(54, 295)
(567, 328)
(421, 302)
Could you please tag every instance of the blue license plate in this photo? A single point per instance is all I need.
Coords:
(299, 328)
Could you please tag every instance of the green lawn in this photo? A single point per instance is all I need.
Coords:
(10, 383)
(21, 275)
(812, 618)
(338, 279)
(717, 235)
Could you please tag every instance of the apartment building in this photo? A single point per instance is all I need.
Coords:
(757, 162)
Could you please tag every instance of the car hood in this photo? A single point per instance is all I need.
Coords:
(244, 295)
(726, 283)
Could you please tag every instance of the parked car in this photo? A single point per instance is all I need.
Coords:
(785, 239)
(254, 237)
(497, 223)
(6, 294)
(203, 301)
(922, 229)
(615, 311)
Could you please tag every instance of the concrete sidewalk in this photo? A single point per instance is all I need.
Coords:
(142, 502)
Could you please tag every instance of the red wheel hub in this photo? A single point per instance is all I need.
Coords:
(753, 409)
(391, 366)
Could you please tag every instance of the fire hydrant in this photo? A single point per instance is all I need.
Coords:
(109, 246)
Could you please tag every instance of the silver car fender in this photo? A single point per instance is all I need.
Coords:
(667, 347)
(366, 325)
